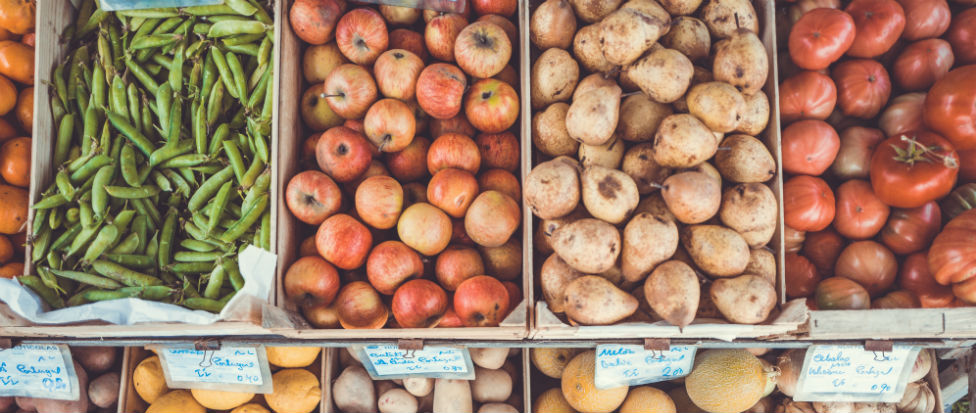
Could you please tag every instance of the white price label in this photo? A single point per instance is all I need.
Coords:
(631, 365)
(851, 373)
(228, 369)
(38, 370)
(390, 362)
(112, 5)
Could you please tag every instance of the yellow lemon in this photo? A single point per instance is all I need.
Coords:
(221, 400)
(176, 401)
(289, 357)
(148, 379)
(295, 391)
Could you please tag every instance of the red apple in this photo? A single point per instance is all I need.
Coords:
(457, 124)
(452, 190)
(356, 125)
(308, 150)
(450, 5)
(451, 319)
(504, 262)
(425, 228)
(453, 150)
(396, 72)
(492, 219)
(514, 294)
(322, 316)
(318, 61)
(312, 197)
(410, 164)
(343, 241)
(482, 49)
(440, 34)
(510, 29)
(361, 35)
(499, 150)
(457, 264)
(313, 20)
(510, 76)
(316, 112)
(379, 200)
(390, 264)
(350, 90)
(414, 192)
(311, 280)
(307, 248)
(343, 153)
(481, 301)
(409, 40)
(376, 168)
(400, 15)
(502, 181)
(360, 306)
(390, 125)
(440, 90)
(458, 236)
(420, 117)
(503, 7)
(492, 106)
(419, 304)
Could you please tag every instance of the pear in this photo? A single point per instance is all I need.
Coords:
(608, 155)
(548, 226)
(592, 81)
(549, 134)
(552, 189)
(717, 104)
(745, 159)
(554, 78)
(746, 299)
(592, 118)
(693, 197)
(640, 165)
(554, 276)
(663, 74)
(648, 241)
(609, 194)
(673, 291)
(588, 245)
(632, 29)
(592, 300)
(594, 10)
(654, 204)
(716, 250)
(553, 25)
(750, 209)
(587, 50)
(640, 117)
(762, 262)
(683, 141)
(741, 61)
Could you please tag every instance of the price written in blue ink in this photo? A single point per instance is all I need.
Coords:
(389, 360)
(226, 366)
(631, 365)
(37, 371)
(852, 371)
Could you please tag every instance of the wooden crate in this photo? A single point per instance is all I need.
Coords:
(546, 325)
(291, 133)
(942, 323)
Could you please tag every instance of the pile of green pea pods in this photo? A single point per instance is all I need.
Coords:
(162, 154)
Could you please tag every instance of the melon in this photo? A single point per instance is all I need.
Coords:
(726, 381)
(552, 401)
(552, 361)
(647, 399)
(580, 389)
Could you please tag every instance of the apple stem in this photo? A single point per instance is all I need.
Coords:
(325, 95)
(656, 185)
(724, 148)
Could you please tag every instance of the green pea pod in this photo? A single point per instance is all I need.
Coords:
(215, 104)
(152, 292)
(57, 110)
(176, 69)
(198, 246)
(128, 245)
(136, 137)
(105, 55)
(64, 184)
(88, 167)
(72, 215)
(135, 113)
(123, 219)
(242, 7)
(152, 246)
(224, 71)
(102, 242)
(117, 98)
(166, 238)
(140, 227)
(78, 59)
(226, 28)
(259, 90)
(142, 76)
(241, 39)
(40, 245)
(184, 161)
(54, 219)
(250, 49)
(237, 71)
(265, 231)
(132, 193)
(83, 238)
(261, 147)
(195, 49)
(191, 267)
(195, 256)
(161, 181)
(89, 131)
(247, 221)
(175, 121)
(86, 278)
(99, 192)
(201, 29)
(252, 174)
(107, 295)
(218, 206)
(139, 262)
(209, 188)
(69, 235)
(182, 187)
(63, 144)
(147, 120)
(124, 275)
(199, 125)
(50, 296)
(49, 202)
(233, 274)
(234, 158)
(264, 51)
(204, 304)
(164, 99)
(60, 86)
(217, 140)
(215, 281)
(99, 86)
(129, 170)
(170, 151)
(40, 215)
(150, 13)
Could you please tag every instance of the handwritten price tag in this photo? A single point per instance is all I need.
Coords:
(38, 370)
(228, 369)
(632, 365)
(851, 373)
(389, 362)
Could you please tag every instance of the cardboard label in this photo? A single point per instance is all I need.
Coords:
(631, 365)
(851, 373)
(390, 362)
(243, 368)
(38, 370)
(113, 5)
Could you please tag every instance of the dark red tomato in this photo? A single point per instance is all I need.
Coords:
(967, 165)
(869, 263)
(897, 299)
(962, 36)
(839, 293)
(911, 230)
(808, 203)
(809, 147)
(807, 95)
(857, 144)
(910, 169)
(820, 37)
(863, 87)
(925, 18)
(950, 106)
(914, 276)
(878, 25)
(965, 291)
(903, 114)
(921, 63)
(859, 214)
(952, 257)
(802, 276)
(822, 249)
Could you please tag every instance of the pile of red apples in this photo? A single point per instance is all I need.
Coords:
(411, 185)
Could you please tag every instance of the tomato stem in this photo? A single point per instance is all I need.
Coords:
(916, 152)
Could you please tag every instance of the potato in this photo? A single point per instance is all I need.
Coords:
(587, 49)
(549, 134)
(592, 117)
(592, 300)
(654, 204)
(725, 17)
(741, 61)
(397, 401)
(588, 245)
(554, 78)
(689, 36)
(746, 299)
(7, 403)
(491, 385)
(663, 74)
(745, 160)
(648, 241)
(552, 188)
(639, 164)
(639, 117)
(692, 197)
(489, 357)
(95, 359)
(716, 250)
(553, 25)
(762, 263)
(452, 396)
(718, 105)
(554, 276)
(418, 386)
(608, 155)
(69, 406)
(25, 404)
(353, 391)
(751, 210)
(673, 291)
(683, 141)
(382, 386)
(594, 10)
(497, 408)
(104, 391)
(755, 115)
(629, 31)
(609, 194)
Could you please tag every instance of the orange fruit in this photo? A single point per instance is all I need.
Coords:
(13, 209)
(25, 109)
(580, 389)
(552, 401)
(6, 249)
(11, 270)
(17, 61)
(15, 161)
(726, 380)
(646, 399)
(17, 16)
(8, 95)
(7, 130)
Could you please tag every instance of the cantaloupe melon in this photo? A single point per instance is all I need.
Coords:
(551, 361)
(682, 402)
(726, 381)
(580, 389)
(552, 401)
(647, 399)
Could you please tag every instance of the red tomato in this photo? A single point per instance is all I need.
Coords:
(839, 293)
(878, 25)
(897, 299)
(869, 263)
(952, 257)
(801, 276)
(859, 214)
(921, 63)
(857, 144)
(914, 276)
(820, 37)
(863, 87)
(910, 169)
(911, 230)
(808, 203)
(807, 95)
(822, 249)
(967, 165)
(965, 291)
(809, 147)
(950, 106)
(903, 114)
(962, 36)
(925, 18)
(801, 7)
